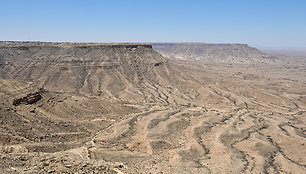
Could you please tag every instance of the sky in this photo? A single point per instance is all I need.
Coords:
(260, 23)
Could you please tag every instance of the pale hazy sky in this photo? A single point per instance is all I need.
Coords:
(268, 23)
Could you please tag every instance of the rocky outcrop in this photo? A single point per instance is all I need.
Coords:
(29, 99)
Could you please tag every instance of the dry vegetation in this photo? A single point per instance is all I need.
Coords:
(124, 108)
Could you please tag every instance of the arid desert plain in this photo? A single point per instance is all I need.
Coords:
(150, 108)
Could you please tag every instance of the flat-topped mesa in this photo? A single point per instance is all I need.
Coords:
(204, 48)
(67, 51)
(86, 68)
(233, 53)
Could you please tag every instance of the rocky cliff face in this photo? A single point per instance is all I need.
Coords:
(228, 53)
